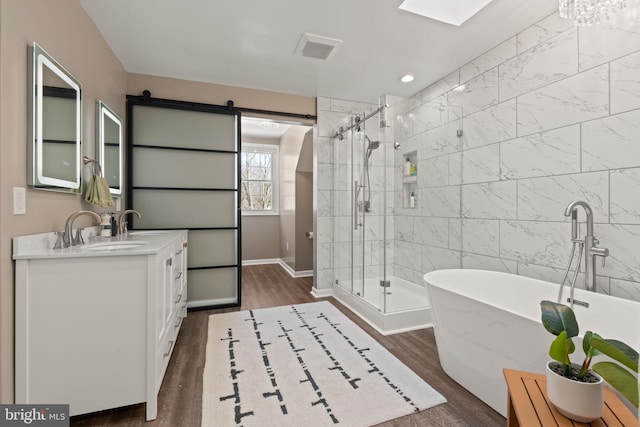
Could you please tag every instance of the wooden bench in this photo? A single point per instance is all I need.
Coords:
(527, 405)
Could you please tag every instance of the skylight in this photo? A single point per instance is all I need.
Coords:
(454, 12)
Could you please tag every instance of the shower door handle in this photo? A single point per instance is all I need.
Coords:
(356, 192)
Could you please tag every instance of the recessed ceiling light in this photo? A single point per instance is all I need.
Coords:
(265, 124)
(407, 78)
(454, 12)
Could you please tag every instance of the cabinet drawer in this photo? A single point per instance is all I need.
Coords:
(176, 324)
(167, 344)
(182, 307)
(179, 295)
(163, 355)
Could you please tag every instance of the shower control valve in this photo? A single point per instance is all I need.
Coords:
(602, 252)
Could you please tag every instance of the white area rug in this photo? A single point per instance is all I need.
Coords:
(303, 365)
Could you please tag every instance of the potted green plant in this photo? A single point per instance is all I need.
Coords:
(573, 388)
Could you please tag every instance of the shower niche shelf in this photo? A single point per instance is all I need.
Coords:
(410, 181)
(407, 190)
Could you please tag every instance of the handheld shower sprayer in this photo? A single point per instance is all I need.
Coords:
(574, 224)
(572, 210)
(372, 144)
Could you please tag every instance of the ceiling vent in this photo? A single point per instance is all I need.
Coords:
(314, 46)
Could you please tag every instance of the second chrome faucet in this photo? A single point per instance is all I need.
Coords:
(122, 220)
(69, 240)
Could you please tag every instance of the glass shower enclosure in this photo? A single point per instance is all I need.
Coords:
(363, 203)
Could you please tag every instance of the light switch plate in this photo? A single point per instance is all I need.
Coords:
(19, 201)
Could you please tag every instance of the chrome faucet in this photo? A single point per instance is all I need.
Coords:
(122, 220)
(590, 242)
(67, 236)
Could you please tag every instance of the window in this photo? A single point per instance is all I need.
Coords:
(259, 173)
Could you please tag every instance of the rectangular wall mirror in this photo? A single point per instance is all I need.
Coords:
(110, 154)
(55, 151)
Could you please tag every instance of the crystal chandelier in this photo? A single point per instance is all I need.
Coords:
(589, 12)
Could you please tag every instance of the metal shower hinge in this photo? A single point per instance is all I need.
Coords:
(385, 283)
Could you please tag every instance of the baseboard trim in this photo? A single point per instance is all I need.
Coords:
(287, 268)
(293, 273)
(321, 293)
(261, 261)
(212, 302)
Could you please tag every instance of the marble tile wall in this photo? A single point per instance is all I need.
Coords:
(549, 116)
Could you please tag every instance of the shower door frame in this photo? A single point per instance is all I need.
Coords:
(358, 125)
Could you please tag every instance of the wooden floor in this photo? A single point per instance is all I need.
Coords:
(180, 398)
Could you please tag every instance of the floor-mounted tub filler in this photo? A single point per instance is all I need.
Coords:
(485, 321)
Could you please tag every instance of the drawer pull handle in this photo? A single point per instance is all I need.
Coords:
(179, 252)
(170, 262)
(184, 245)
(170, 347)
(177, 325)
(178, 300)
(179, 275)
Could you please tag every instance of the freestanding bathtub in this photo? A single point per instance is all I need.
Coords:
(485, 321)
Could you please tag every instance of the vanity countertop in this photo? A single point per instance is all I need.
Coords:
(135, 242)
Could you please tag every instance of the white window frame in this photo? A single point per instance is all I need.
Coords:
(274, 150)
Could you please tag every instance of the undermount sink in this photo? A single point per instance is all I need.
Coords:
(147, 232)
(114, 246)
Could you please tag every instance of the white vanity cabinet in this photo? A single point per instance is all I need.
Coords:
(96, 329)
(171, 305)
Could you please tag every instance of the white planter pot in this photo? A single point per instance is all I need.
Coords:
(583, 402)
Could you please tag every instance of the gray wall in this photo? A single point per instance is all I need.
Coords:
(290, 146)
(260, 237)
(266, 236)
(304, 205)
(549, 116)
(82, 50)
(260, 233)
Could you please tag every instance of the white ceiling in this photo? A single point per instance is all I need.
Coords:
(251, 43)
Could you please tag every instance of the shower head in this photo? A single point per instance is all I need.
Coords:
(372, 144)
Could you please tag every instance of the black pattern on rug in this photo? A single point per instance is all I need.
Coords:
(374, 368)
(295, 365)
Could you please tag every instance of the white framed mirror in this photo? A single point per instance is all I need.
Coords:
(55, 149)
(110, 150)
